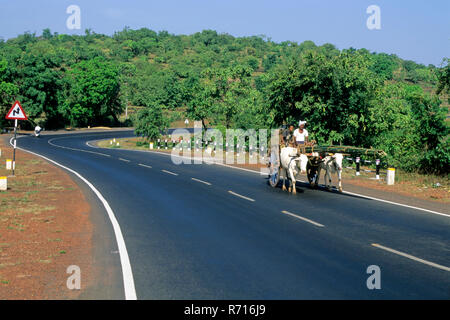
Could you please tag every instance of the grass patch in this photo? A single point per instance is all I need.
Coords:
(46, 261)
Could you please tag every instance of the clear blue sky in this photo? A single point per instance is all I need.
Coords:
(414, 30)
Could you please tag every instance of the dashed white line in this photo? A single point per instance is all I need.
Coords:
(170, 172)
(122, 159)
(240, 196)
(302, 218)
(201, 181)
(144, 165)
(263, 173)
(432, 264)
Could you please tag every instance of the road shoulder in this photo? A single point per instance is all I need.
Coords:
(50, 221)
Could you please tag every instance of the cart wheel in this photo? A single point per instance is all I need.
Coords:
(274, 177)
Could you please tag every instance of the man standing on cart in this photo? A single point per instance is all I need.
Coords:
(301, 134)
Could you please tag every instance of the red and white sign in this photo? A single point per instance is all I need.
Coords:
(16, 112)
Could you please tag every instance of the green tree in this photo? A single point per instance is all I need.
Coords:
(40, 86)
(221, 94)
(332, 93)
(93, 93)
(150, 122)
(7, 92)
(444, 78)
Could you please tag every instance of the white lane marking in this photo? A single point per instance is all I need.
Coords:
(170, 172)
(240, 196)
(435, 265)
(75, 149)
(126, 160)
(144, 165)
(127, 273)
(242, 169)
(89, 145)
(201, 181)
(347, 192)
(390, 202)
(302, 218)
(398, 204)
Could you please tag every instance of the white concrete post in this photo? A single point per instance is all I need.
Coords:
(3, 183)
(390, 178)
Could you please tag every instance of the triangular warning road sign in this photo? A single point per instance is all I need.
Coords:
(16, 112)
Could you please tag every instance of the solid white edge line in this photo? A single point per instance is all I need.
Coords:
(201, 181)
(302, 218)
(398, 204)
(241, 196)
(89, 145)
(170, 172)
(144, 165)
(347, 192)
(128, 281)
(74, 149)
(432, 264)
(391, 202)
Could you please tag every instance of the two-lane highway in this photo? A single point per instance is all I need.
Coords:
(214, 232)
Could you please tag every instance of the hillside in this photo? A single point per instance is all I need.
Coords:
(349, 96)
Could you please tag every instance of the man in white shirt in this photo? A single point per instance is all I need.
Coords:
(301, 134)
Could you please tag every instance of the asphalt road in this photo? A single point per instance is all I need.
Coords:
(190, 234)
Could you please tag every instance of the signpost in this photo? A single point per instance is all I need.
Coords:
(16, 113)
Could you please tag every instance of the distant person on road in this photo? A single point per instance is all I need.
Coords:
(37, 131)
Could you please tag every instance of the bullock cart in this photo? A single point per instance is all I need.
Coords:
(316, 155)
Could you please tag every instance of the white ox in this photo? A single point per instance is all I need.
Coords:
(332, 164)
(292, 164)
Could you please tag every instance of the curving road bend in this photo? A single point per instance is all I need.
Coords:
(214, 232)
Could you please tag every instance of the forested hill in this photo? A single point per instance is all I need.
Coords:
(351, 96)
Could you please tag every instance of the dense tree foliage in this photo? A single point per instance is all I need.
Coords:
(7, 90)
(93, 93)
(349, 96)
(149, 122)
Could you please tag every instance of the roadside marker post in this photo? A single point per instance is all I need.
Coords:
(15, 113)
(10, 164)
(358, 159)
(377, 162)
(390, 177)
(3, 183)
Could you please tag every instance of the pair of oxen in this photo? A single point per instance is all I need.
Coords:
(294, 163)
